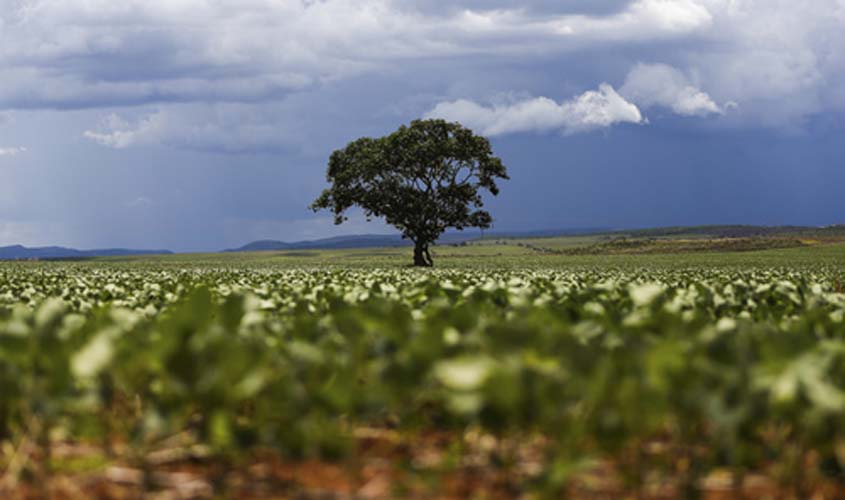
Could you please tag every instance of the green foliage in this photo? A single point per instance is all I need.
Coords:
(423, 179)
(730, 366)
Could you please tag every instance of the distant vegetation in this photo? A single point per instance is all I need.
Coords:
(596, 241)
(743, 231)
(652, 245)
(680, 240)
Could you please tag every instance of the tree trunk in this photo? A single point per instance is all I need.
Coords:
(421, 256)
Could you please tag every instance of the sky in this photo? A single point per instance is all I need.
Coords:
(207, 124)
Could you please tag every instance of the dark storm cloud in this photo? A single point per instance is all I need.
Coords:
(75, 54)
(72, 54)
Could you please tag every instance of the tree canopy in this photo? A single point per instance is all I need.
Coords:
(422, 179)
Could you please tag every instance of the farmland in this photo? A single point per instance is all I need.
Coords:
(504, 371)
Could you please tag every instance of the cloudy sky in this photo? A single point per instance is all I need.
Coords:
(205, 124)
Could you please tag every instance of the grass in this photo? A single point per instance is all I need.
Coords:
(557, 252)
(323, 337)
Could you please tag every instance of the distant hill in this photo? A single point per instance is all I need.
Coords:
(739, 231)
(355, 241)
(18, 252)
(394, 240)
(456, 237)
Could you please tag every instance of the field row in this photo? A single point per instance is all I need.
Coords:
(670, 375)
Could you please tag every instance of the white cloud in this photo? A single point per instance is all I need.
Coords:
(220, 128)
(591, 110)
(672, 15)
(662, 85)
(642, 19)
(93, 53)
(12, 151)
(781, 60)
(118, 133)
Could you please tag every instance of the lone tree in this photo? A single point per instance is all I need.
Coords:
(423, 179)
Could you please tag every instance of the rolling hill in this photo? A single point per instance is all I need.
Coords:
(19, 252)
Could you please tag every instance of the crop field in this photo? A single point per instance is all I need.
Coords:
(503, 372)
